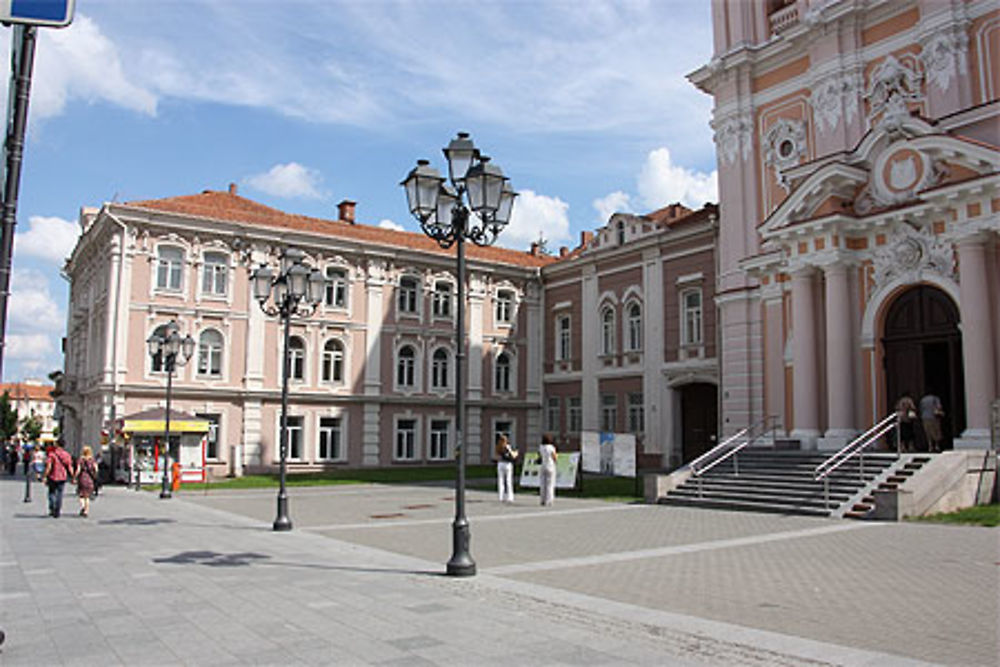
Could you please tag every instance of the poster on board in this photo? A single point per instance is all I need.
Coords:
(567, 466)
(607, 453)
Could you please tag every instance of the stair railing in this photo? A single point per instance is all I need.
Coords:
(855, 447)
(730, 447)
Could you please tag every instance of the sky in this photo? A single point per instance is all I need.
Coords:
(584, 104)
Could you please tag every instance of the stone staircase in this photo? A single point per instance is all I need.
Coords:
(865, 506)
(768, 480)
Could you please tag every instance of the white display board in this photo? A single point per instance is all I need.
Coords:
(567, 467)
(608, 453)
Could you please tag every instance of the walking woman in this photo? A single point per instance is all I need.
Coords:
(85, 476)
(506, 455)
(547, 481)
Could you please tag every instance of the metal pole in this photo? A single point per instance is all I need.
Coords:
(461, 563)
(27, 481)
(170, 360)
(15, 153)
(282, 522)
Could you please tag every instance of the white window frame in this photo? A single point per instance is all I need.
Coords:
(504, 376)
(167, 269)
(328, 361)
(297, 358)
(609, 413)
(608, 324)
(434, 435)
(636, 416)
(340, 431)
(214, 420)
(633, 336)
(217, 353)
(553, 414)
(564, 337)
(414, 369)
(292, 431)
(441, 370)
(574, 414)
(441, 300)
(408, 296)
(414, 438)
(215, 274)
(692, 319)
(336, 294)
(503, 312)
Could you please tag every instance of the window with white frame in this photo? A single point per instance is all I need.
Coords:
(563, 338)
(691, 317)
(212, 437)
(333, 361)
(504, 306)
(331, 438)
(294, 438)
(636, 417)
(608, 330)
(441, 303)
(502, 371)
(406, 365)
(336, 288)
(440, 429)
(634, 327)
(506, 428)
(156, 360)
(169, 268)
(296, 358)
(439, 369)
(609, 412)
(210, 344)
(406, 440)
(215, 274)
(407, 296)
(552, 414)
(574, 414)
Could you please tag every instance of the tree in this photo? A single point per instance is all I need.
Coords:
(8, 418)
(31, 428)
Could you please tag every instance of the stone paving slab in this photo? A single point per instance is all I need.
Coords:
(204, 582)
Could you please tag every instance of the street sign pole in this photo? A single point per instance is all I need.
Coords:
(23, 60)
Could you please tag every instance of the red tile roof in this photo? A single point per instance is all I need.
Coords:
(229, 206)
(22, 390)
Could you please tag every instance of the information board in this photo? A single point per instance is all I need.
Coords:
(567, 468)
(608, 453)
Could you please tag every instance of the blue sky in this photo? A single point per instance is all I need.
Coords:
(583, 103)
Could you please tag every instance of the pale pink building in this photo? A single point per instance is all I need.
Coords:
(859, 240)
(372, 372)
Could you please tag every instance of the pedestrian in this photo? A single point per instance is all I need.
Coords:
(506, 455)
(547, 480)
(38, 463)
(85, 476)
(906, 412)
(931, 413)
(58, 467)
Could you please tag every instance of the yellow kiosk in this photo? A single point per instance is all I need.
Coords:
(142, 441)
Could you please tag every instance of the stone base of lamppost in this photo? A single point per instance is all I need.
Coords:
(166, 494)
(282, 523)
(461, 563)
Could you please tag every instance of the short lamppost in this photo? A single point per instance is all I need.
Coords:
(171, 351)
(443, 210)
(295, 290)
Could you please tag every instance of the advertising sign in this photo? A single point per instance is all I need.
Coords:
(567, 466)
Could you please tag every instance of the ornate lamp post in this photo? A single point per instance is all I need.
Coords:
(443, 210)
(173, 351)
(295, 290)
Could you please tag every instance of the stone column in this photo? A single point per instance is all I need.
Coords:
(589, 335)
(977, 341)
(805, 400)
(839, 359)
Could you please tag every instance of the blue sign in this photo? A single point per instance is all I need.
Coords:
(54, 13)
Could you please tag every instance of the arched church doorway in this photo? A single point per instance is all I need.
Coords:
(923, 352)
(699, 418)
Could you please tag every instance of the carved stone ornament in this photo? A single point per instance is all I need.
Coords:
(910, 254)
(733, 138)
(785, 145)
(943, 54)
(832, 96)
(892, 85)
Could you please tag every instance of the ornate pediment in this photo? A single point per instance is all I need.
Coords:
(910, 254)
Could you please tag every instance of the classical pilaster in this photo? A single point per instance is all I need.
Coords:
(533, 382)
(374, 285)
(977, 341)
(839, 359)
(589, 329)
(656, 438)
(805, 367)
(256, 325)
(774, 351)
(476, 291)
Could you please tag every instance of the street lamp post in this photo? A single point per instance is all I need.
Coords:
(173, 351)
(295, 290)
(479, 187)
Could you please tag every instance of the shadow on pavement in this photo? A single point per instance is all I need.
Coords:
(213, 558)
(135, 521)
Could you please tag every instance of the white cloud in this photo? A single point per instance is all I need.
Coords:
(536, 215)
(288, 180)
(51, 239)
(389, 224)
(31, 304)
(30, 350)
(661, 182)
(615, 202)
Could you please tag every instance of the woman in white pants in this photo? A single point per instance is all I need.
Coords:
(547, 482)
(506, 455)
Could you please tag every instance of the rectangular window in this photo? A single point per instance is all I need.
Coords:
(504, 307)
(691, 305)
(439, 439)
(406, 440)
(330, 439)
(609, 412)
(563, 339)
(212, 438)
(336, 288)
(294, 438)
(636, 423)
(504, 428)
(441, 305)
(407, 295)
(552, 415)
(214, 274)
(168, 268)
(574, 415)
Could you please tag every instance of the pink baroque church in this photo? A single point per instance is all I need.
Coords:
(858, 148)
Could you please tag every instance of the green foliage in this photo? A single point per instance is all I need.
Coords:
(351, 476)
(981, 515)
(31, 428)
(8, 417)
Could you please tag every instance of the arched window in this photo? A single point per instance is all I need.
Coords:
(502, 375)
(333, 361)
(214, 273)
(210, 353)
(157, 359)
(406, 367)
(634, 327)
(608, 330)
(169, 268)
(296, 358)
(439, 369)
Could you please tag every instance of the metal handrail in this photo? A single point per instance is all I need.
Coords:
(854, 447)
(715, 451)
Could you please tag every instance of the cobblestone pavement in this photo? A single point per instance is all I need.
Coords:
(201, 579)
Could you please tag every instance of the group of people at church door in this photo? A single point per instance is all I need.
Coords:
(929, 412)
(506, 456)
